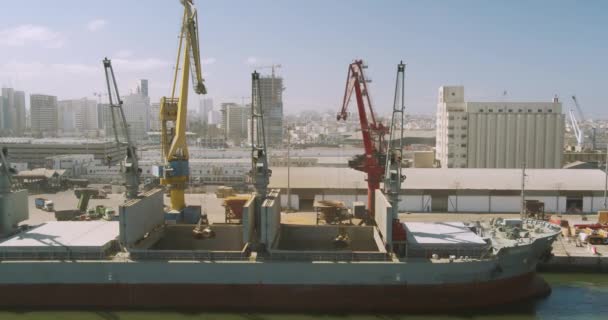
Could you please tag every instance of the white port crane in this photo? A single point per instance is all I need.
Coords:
(581, 120)
(578, 133)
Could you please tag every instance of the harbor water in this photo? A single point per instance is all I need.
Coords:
(574, 296)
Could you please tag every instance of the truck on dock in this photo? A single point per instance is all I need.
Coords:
(44, 204)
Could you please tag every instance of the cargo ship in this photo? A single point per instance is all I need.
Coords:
(142, 261)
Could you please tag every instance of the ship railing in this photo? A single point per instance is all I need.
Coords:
(195, 255)
(52, 255)
(281, 255)
(474, 253)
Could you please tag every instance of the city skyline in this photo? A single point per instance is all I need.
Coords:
(551, 48)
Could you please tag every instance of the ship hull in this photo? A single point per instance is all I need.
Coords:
(266, 297)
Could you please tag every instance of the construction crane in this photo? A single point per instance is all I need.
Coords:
(174, 110)
(272, 67)
(393, 176)
(130, 170)
(373, 131)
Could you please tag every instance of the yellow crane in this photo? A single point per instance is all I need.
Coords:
(173, 110)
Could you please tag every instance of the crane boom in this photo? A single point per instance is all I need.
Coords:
(394, 155)
(581, 115)
(373, 131)
(131, 170)
(174, 110)
(578, 133)
(260, 174)
(393, 176)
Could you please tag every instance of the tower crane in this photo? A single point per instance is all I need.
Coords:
(174, 110)
(373, 131)
(131, 170)
(394, 154)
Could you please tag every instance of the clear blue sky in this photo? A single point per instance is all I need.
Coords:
(531, 49)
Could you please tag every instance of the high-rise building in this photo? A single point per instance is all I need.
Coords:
(66, 116)
(7, 112)
(106, 118)
(44, 115)
(214, 117)
(20, 124)
(497, 134)
(271, 92)
(79, 115)
(205, 105)
(12, 112)
(234, 121)
(100, 113)
(142, 87)
(137, 113)
(2, 132)
(155, 116)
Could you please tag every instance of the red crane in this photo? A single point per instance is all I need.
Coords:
(373, 161)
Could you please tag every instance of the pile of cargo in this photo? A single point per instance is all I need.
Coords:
(224, 192)
(591, 233)
(234, 208)
(332, 212)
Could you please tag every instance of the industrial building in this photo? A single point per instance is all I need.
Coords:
(497, 134)
(36, 151)
(44, 115)
(453, 190)
(74, 164)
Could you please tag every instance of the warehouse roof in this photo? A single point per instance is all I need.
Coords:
(445, 233)
(65, 234)
(445, 179)
(40, 173)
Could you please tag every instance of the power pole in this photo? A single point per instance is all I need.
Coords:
(606, 181)
(288, 168)
(522, 211)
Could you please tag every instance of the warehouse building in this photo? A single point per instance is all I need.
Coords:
(453, 190)
(35, 152)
